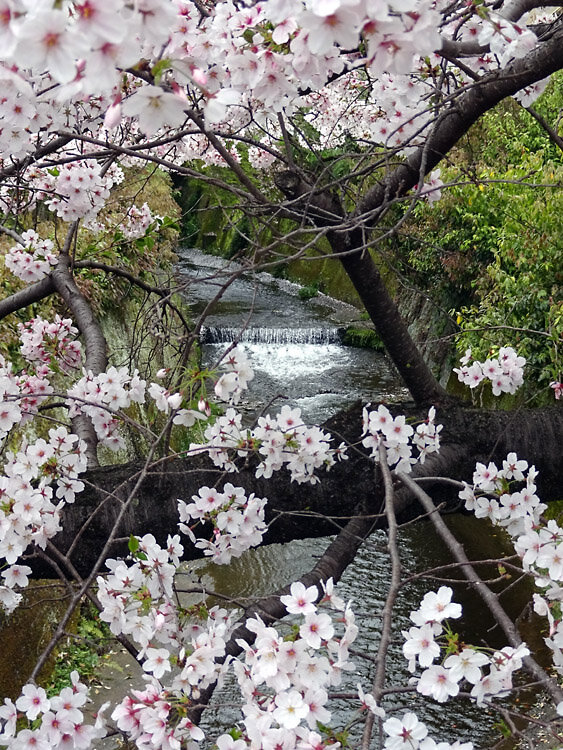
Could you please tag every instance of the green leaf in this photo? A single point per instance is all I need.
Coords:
(133, 544)
(159, 69)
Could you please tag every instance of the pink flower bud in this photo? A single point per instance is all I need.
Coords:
(199, 76)
(203, 407)
(113, 115)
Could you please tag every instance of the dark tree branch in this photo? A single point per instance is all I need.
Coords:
(32, 293)
(164, 293)
(387, 612)
(452, 123)
(490, 599)
(19, 166)
(554, 137)
(94, 340)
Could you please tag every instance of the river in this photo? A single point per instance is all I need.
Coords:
(296, 352)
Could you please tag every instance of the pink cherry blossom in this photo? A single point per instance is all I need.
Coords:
(301, 600)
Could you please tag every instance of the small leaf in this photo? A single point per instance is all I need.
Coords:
(133, 544)
(159, 69)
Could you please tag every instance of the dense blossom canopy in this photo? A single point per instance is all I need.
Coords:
(90, 88)
(103, 72)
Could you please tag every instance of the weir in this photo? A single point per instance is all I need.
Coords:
(262, 335)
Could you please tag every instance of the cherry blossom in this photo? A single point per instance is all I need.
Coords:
(109, 72)
(399, 438)
(404, 733)
(301, 600)
(436, 607)
(438, 682)
(154, 109)
(33, 260)
(505, 373)
(420, 646)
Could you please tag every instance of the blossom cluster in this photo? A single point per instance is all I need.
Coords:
(237, 521)
(237, 375)
(32, 260)
(149, 575)
(137, 600)
(20, 395)
(410, 733)
(284, 681)
(538, 543)
(36, 484)
(167, 402)
(101, 396)
(506, 371)
(137, 221)
(51, 343)
(227, 62)
(77, 190)
(10, 411)
(399, 438)
(442, 681)
(58, 721)
(279, 441)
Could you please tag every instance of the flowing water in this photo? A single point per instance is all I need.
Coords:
(297, 353)
(295, 345)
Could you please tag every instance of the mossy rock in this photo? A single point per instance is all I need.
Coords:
(26, 632)
(363, 338)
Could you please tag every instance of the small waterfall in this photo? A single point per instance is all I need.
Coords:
(258, 335)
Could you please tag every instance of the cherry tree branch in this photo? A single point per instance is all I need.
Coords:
(94, 340)
(87, 583)
(394, 585)
(454, 121)
(480, 586)
(32, 293)
(553, 135)
(164, 293)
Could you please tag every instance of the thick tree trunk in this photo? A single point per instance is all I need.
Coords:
(385, 315)
(301, 511)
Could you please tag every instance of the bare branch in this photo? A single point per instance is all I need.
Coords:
(553, 135)
(394, 585)
(164, 293)
(32, 293)
(480, 587)
(95, 343)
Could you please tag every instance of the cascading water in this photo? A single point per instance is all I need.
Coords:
(295, 345)
(260, 335)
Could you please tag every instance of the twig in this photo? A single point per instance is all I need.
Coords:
(394, 585)
(480, 587)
